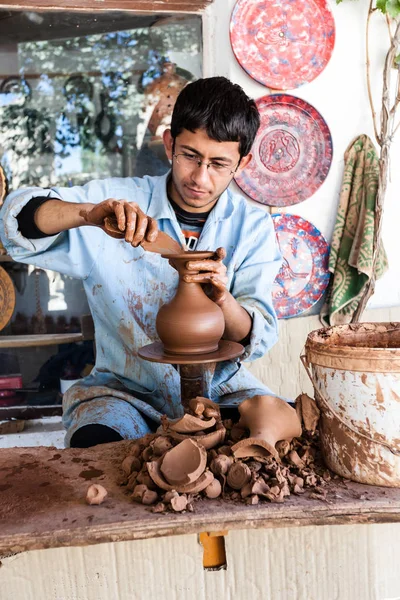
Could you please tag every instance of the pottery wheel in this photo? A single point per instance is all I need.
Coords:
(226, 351)
(7, 298)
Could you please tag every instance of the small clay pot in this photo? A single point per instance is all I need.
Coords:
(191, 323)
(269, 419)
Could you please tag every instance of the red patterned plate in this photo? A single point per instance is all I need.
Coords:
(304, 274)
(282, 43)
(292, 152)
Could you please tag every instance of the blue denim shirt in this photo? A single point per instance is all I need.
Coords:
(126, 286)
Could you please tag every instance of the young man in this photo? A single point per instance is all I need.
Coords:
(213, 127)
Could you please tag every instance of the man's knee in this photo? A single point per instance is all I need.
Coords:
(91, 435)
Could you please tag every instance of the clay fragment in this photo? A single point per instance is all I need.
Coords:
(295, 460)
(199, 404)
(252, 499)
(135, 450)
(211, 413)
(132, 480)
(225, 450)
(131, 463)
(138, 492)
(161, 445)
(283, 448)
(214, 489)
(184, 463)
(147, 453)
(238, 475)
(260, 488)
(144, 477)
(190, 424)
(254, 465)
(246, 490)
(179, 503)
(237, 432)
(308, 455)
(95, 494)
(169, 495)
(149, 497)
(309, 411)
(159, 508)
(311, 480)
(221, 464)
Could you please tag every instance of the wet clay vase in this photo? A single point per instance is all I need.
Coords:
(269, 419)
(191, 323)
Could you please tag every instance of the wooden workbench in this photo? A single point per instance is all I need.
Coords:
(42, 503)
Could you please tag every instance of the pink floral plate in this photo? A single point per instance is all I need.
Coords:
(304, 274)
(291, 155)
(282, 43)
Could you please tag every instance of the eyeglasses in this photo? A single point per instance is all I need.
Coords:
(191, 161)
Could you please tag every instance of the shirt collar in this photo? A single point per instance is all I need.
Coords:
(160, 208)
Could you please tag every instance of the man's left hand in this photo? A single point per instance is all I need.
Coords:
(211, 273)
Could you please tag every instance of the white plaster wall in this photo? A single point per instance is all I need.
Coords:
(333, 562)
(339, 93)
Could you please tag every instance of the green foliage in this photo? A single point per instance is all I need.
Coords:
(390, 7)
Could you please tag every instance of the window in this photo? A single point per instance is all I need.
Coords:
(88, 95)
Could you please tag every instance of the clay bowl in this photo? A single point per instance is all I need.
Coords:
(184, 463)
(208, 440)
(202, 482)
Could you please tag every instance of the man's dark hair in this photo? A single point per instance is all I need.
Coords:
(221, 108)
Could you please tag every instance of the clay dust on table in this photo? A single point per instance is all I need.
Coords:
(194, 457)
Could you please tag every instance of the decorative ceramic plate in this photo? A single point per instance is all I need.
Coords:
(292, 152)
(7, 298)
(304, 274)
(282, 43)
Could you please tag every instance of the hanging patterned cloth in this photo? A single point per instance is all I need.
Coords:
(351, 253)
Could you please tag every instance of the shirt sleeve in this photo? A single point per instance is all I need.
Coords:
(72, 252)
(252, 286)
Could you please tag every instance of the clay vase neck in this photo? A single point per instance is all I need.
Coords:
(190, 323)
(270, 420)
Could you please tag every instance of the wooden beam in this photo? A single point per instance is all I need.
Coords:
(43, 503)
(46, 339)
(139, 6)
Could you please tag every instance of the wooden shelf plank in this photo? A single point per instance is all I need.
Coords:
(28, 475)
(47, 339)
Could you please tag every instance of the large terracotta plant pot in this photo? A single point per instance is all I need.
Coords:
(191, 323)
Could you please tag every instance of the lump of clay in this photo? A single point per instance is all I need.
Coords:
(214, 489)
(269, 420)
(130, 464)
(238, 475)
(96, 494)
(142, 494)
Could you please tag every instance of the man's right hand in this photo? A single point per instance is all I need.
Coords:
(133, 224)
